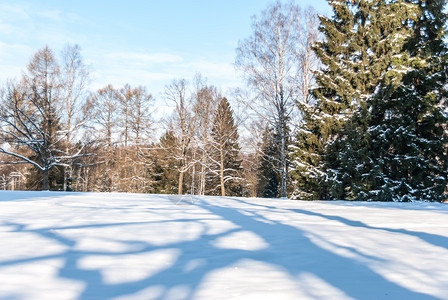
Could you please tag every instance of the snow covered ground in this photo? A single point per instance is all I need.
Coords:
(140, 246)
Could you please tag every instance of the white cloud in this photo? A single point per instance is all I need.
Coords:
(16, 12)
(32, 24)
(12, 49)
(136, 68)
(212, 69)
(156, 70)
(144, 58)
(53, 15)
(119, 77)
(219, 73)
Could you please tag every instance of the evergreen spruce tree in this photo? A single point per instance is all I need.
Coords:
(226, 167)
(33, 179)
(322, 122)
(268, 178)
(381, 34)
(164, 173)
(408, 123)
(361, 41)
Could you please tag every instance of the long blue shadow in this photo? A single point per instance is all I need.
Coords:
(434, 239)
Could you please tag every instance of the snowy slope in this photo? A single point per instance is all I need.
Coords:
(136, 246)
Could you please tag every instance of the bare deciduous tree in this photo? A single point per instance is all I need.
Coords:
(30, 118)
(206, 101)
(140, 116)
(104, 113)
(74, 81)
(276, 61)
(135, 123)
(308, 62)
(183, 124)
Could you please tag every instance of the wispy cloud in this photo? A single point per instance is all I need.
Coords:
(27, 27)
(156, 70)
(139, 58)
(33, 24)
(9, 11)
(53, 15)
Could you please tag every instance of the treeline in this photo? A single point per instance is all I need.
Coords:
(72, 139)
(60, 136)
(349, 107)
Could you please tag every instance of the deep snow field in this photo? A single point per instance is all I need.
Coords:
(140, 246)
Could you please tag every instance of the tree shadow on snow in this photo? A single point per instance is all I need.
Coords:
(289, 249)
(434, 239)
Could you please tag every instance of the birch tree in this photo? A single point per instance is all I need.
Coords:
(269, 61)
(183, 125)
(206, 101)
(74, 80)
(308, 62)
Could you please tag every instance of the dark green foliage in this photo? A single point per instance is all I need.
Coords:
(268, 178)
(377, 40)
(33, 179)
(378, 130)
(164, 180)
(321, 123)
(164, 173)
(408, 120)
(306, 158)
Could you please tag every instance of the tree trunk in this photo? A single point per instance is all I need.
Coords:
(223, 190)
(65, 180)
(202, 181)
(68, 175)
(193, 180)
(181, 181)
(283, 161)
(284, 166)
(45, 180)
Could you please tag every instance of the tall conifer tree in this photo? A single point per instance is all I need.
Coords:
(334, 94)
(361, 41)
(268, 177)
(381, 33)
(225, 150)
(379, 129)
(408, 124)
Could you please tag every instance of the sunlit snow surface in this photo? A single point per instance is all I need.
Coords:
(140, 246)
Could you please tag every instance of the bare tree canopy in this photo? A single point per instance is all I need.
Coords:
(183, 124)
(276, 61)
(30, 117)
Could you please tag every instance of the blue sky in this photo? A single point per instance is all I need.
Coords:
(138, 42)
